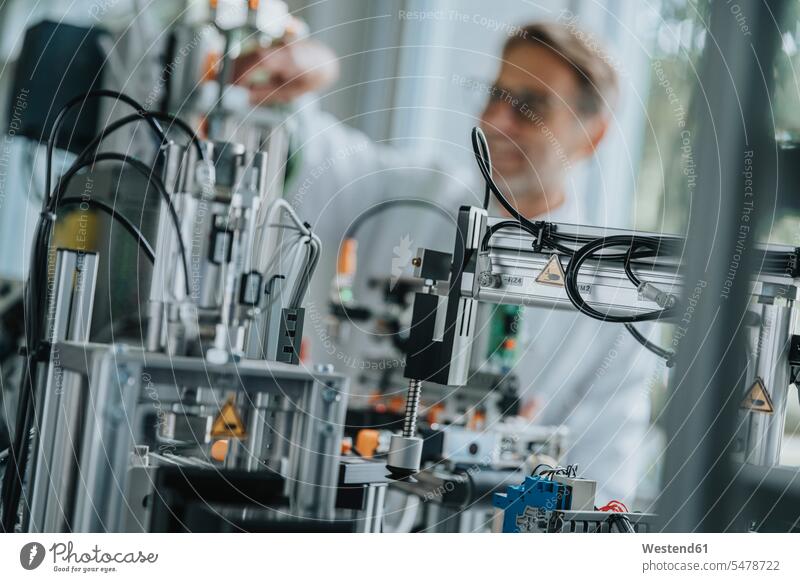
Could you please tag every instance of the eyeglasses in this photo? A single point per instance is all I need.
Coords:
(528, 106)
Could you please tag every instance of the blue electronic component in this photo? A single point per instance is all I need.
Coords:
(527, 507)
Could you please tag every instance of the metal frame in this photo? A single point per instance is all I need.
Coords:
(508, 274)
(119, 385)
(70, 317)
(704, 490)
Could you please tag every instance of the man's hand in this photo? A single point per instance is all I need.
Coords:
(281, 73)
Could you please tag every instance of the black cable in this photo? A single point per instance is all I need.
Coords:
(469, 496)
(479, 145)
(36, 289)
(649, 242)
(142, 116)
(662, 353)
(632, 277)
(36, 299)
(548, 238)
(652, 247)
(568, 471)
(386, 205)
(573, 238)
(108, 209)
(544, 234)
(54, 131)
(667, 355)
(152, 179)
(184, 127)
(12, 478)
(501, 225)
(590, 250)
(779, 262)
(536, 468)
(484, 157)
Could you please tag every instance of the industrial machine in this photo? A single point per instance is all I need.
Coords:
(211, 424)
(616, 276)
(215, 425)
(474, 442)
(214, 389)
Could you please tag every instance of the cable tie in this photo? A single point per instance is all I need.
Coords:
(540, 228)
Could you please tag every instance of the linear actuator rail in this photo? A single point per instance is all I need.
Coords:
(515, 270)
(609, 274)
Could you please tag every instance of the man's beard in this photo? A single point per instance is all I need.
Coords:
(521, 186)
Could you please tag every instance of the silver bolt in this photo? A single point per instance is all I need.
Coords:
(324, 368)
(487, 279)
(330, 395)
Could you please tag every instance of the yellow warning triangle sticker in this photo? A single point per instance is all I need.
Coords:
(228, 423)
(552, 274)
(757, 398)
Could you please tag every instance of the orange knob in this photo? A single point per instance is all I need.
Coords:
(347, 257)
(367, 442)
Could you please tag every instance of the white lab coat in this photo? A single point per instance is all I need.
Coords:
(589, 375)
